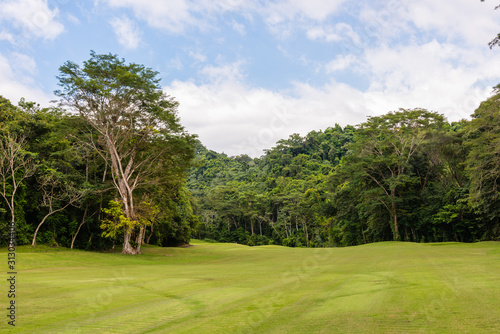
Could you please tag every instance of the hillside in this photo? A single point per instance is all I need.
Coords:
(408, 175)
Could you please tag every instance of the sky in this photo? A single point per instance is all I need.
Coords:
(248, 73)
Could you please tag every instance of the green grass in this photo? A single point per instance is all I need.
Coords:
(228, 288)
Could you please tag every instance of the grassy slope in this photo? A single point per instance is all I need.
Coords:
(221, 288)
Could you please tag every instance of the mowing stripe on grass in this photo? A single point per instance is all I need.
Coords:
(226, 288)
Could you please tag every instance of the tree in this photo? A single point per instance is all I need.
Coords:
(84, 220)
(483, 162)
(135, 121)
(380, 156)
(16, 164)
(57, 195)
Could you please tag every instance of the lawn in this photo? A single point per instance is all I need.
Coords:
(228, 288)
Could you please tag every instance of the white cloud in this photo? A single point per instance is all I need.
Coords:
(16, 82)
(409, 53)
(23, 63)
(285, 17)
(238, 27)
(197, 56)
(444, 77)
(175, 16)
(6, 36)
(385, 17)
(320, 33)
(341, 62)
(337, 33)
(73, 19)
(474, 22)
(171, 15)
(316, 10)
(237, 119)
(127, 32)
(231, 116)
(175, 63)
(222, 5)
(33, 18)
(231, 72)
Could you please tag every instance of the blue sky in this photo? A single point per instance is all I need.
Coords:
(248, 73)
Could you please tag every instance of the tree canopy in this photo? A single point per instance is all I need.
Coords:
(136, 126)
(398, 176)
(112, 165)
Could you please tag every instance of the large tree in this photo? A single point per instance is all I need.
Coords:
(136, 123)
(16, 165)
(483, 163)
(380, 159)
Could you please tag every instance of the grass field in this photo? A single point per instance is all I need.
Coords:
(228, 288)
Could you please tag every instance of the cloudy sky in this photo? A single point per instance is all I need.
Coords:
(250, 72)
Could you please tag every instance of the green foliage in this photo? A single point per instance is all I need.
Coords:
(138, 132)
(483, 163)
(116, 221)
(276, 199)
(399, 176)
(406, 175)
(382, 154)
(67, 150)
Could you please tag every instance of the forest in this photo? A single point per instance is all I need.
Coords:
(106, 167)
(111, 165)
(408, 175)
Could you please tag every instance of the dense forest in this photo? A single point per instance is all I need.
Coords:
(106, 167)
(111, 165)
(407, 175)
(65, 186)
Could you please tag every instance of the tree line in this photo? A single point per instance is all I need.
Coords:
(111, 165)
(106, 167)
(407, 175)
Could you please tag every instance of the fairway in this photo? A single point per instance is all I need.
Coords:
(228, 288)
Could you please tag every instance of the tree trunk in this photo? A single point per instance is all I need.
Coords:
(12, 242)
(139, 240)
(12, 238)
(125, 191)
(395, 222)
(151, 233)
(307, 234)
(394, 215)
(79, 226)
(127, 247)
(286, 228)
(33, 243)
(128, 203)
